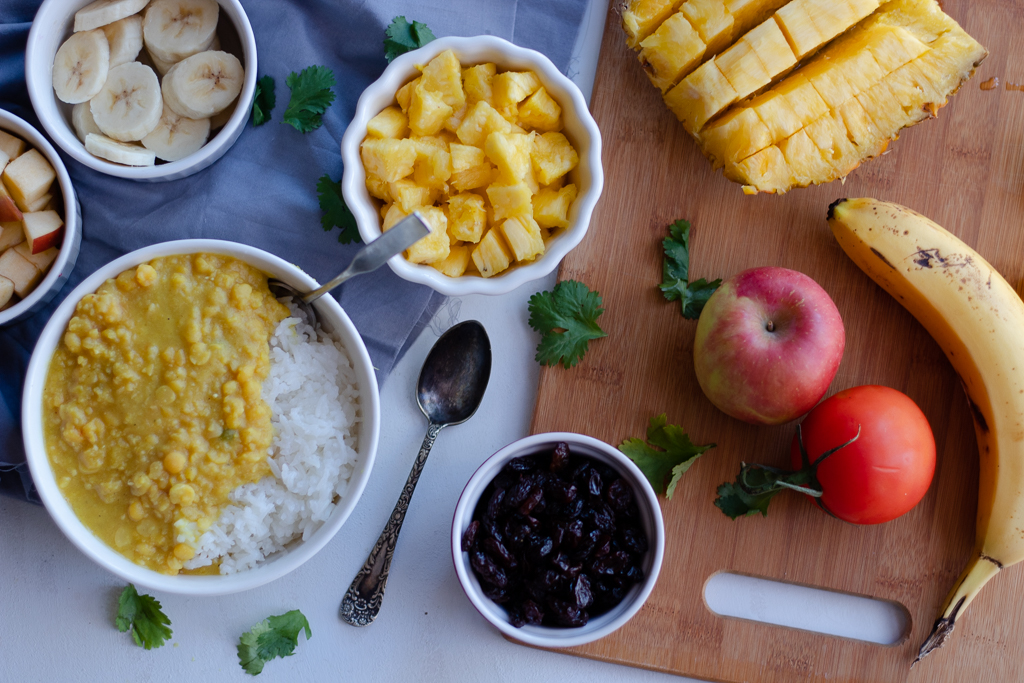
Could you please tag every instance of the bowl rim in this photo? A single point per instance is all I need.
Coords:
(367, 217)
(63, 132)
(72, 225)
(96, 549)
(601, 626)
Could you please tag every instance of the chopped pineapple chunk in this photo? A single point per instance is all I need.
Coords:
(540, 112)
(735, 136)
(510, 200)
(427, 111)
(553, 156)
(435, 246)
(699, 96)
(467, 217)
(443, 75)
(491, 256)
(671, 52)
(404, 94)
(387, 158)
(392, 217)
(551, 206)
(477, 83)
(470, 168)
(481, 120)
(512, 87)
(522, 234)
(510, 153)
(433, 162)
(409, 195)
(376, 186)
(641, 17)
(390, 123)
(455, 264)
(712, 21)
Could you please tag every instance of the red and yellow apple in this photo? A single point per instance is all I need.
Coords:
(768, 344)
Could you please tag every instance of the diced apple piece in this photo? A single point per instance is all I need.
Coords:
(9, 211)
(388, 159)
(11, 233)
(467, 217)
(435, 246)
(21, 272)
(510, 153)
(6, 292)
(477, 83)
(456, 263)
(522, 234)
(41, 203)
(404, 94)
(11, 145)
(509, 201)
(427, 111)
(540, 112)
(553, 156)
(28, 178)
(481, 120)
(43, 229)
(42, 261)
(443, 75)
(491, 255)
(390, 123)
(551, 206)
(4, 160)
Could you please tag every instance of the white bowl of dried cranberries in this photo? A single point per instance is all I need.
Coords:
(558, 539)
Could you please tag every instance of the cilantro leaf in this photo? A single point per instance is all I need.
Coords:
(403, 37)
(141, 613)
(566, 317)
(675, 273)
(273, 637)
(336, 212)
(664, 467)
(263, 101)
(311, 95)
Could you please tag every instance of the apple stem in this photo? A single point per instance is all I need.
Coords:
(770, 326)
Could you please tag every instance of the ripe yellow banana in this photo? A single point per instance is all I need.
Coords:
(976, 317)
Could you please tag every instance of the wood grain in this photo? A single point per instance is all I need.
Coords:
(965, 170)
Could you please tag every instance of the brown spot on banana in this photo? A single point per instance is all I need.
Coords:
(882, 257)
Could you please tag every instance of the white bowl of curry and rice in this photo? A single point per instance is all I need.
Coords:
(189, 434)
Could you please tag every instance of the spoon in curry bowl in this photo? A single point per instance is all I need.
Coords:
(450, 388)
(371, 257)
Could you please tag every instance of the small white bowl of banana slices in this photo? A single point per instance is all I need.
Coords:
(142, 89)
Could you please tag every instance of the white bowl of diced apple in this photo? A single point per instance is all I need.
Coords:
(40, 221)
(492, 145)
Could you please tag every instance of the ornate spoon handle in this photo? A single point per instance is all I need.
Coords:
(362, 600)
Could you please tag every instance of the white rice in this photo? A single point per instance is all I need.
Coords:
(314, 402)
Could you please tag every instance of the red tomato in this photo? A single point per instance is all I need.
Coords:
(882, 474)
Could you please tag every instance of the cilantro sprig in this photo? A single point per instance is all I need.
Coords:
(335, 211)
(676, 285)
(666, 455)
(263, 101)
(566, 318)
(311, 94)
(150, 627)
(401, 37)
(273, 637)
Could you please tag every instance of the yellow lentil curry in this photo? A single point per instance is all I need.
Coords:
(152, 408)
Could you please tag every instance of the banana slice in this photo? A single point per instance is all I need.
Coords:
(175, 137)
(80, 66)
(118, 152)
(204, 84)
(103, 12)
(125, 39)
(129, 105)
(160, 65)
(176, 29)
(81, 119)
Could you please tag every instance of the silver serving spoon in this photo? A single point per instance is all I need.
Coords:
(449, 390)
(371, 257)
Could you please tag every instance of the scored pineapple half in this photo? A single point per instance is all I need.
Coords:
(811, 88)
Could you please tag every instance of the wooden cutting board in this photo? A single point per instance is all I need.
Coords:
(966, 171)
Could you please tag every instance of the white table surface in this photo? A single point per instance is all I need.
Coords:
(57, 607)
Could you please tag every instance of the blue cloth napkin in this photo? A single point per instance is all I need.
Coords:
(263, 191)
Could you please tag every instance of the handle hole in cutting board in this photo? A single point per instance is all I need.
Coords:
(809, 609)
